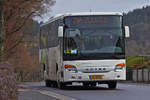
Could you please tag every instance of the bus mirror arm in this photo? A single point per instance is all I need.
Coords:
(60, 31)
(127, 32)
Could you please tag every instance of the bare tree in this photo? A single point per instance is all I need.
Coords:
(17, 14)
(1, 29)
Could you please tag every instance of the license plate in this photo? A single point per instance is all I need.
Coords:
(96, 77)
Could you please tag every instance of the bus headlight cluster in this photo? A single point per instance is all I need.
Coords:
(120, 66)
(70, 68)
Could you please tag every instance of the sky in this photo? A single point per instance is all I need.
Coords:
(69, 6)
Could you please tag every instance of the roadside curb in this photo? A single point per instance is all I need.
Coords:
(23, 88)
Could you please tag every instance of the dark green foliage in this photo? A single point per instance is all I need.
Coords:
(139, 22)
(137, 16)
(8, 85)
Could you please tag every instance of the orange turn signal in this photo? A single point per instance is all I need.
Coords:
(69, 66)
(121, 65)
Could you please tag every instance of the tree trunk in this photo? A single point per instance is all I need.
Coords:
(2, 34)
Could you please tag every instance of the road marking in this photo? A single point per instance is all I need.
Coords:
(55, 95)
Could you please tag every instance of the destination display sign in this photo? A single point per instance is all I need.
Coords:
(93, 21)
(89, 20)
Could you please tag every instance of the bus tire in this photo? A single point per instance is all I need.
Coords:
(112, 85)
(47, 83)
(55, 85)
(60, 85)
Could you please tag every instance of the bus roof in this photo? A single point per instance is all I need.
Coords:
(58, 16)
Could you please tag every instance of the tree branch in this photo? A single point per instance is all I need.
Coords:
(21, 26)
(14, 46)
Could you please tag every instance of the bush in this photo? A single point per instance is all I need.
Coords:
(137, 61)
(8, 85)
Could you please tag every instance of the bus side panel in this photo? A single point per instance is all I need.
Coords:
(55, 63)
(53, 46)
(52, 54)
(43, 55)
(59, 60)
(53, 50)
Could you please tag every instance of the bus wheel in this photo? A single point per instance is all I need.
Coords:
(47, 83)
(55, 85)
(112, 85)
(60, 85)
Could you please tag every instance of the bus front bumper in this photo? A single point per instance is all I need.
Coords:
(98, 77)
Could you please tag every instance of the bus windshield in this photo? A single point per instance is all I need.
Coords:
(101, 36)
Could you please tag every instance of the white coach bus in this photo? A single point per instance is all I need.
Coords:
(88, 48)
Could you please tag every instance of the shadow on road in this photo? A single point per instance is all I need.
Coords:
(73, 88)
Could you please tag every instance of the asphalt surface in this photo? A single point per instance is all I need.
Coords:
(124, 91)
(32, 95)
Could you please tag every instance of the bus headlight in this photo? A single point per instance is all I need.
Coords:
(70, 68)
(119, 67)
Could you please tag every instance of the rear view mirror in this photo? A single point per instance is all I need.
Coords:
(127, 32)
(60, 31)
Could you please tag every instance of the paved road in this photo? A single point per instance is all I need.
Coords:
(124, 91)
(32, 95)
